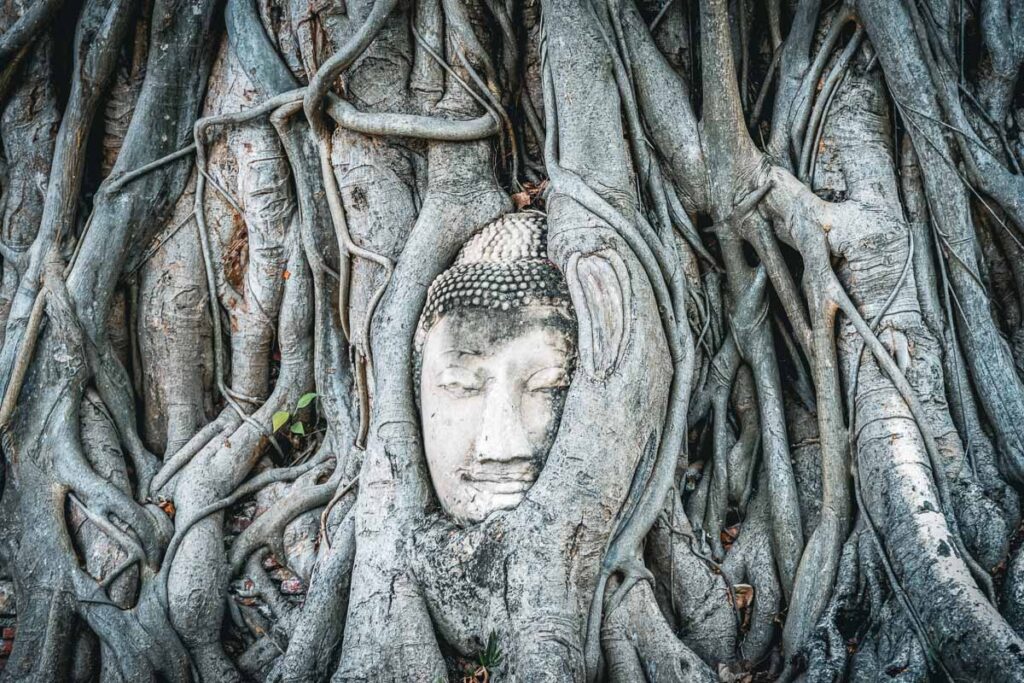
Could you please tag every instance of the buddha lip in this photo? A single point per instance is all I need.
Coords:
(500, 477)
(503, 487)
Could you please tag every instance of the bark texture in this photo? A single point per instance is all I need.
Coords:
(792, 447)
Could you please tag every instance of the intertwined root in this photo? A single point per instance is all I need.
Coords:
(314, 220)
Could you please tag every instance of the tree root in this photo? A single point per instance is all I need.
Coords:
(639, 645)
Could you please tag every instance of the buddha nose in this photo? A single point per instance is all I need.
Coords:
(502, 436)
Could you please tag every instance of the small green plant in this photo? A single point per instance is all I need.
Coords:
(491, 656)
(281, 417)
(482, 671)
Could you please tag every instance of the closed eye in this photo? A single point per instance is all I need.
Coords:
(460, 382)
(548, 379)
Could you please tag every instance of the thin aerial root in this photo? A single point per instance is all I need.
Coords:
(350, 248)
(117, 183)
(23, 359)
(342, 490)
(744, 207)
(363, 392)
(134, 551)
(222, 425)
(320, 83)
(816, 124)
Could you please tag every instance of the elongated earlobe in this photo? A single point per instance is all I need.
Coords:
(600, 290)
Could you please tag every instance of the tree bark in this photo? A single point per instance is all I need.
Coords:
(790, 446)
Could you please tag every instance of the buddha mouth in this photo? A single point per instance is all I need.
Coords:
(502, 481)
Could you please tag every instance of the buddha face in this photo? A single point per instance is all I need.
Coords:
(492, 387)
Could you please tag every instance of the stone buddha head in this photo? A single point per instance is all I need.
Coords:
(496, 349)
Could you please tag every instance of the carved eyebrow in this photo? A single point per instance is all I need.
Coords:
(461, 352)
(550, 375)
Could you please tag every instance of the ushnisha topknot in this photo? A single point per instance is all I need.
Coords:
(503, 266)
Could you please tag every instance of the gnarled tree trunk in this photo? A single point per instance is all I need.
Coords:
(791, 233)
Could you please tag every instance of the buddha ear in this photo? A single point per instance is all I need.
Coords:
(600, 290)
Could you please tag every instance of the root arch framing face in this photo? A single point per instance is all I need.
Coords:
(539, 340)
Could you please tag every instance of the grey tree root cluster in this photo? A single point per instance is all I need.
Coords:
(792, 232)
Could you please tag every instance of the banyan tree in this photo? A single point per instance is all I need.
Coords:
(525, 340)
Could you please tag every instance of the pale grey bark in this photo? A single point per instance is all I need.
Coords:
(792, 237)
